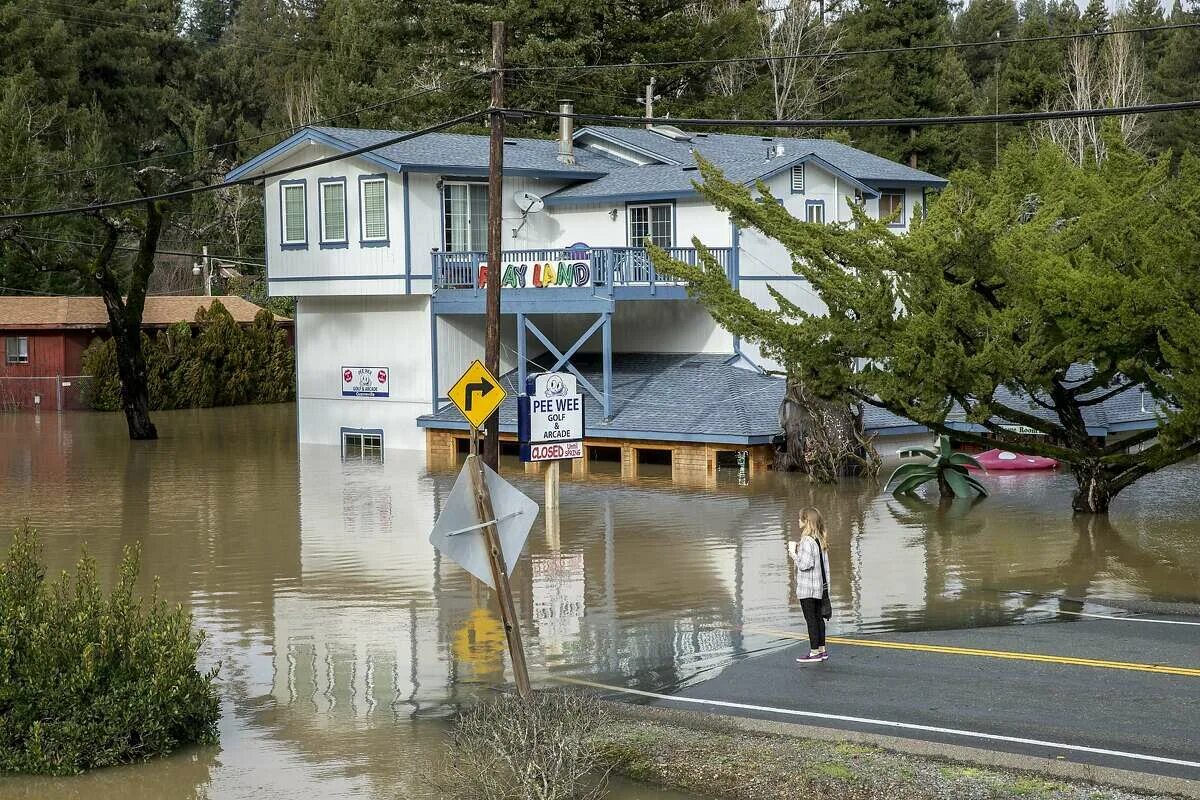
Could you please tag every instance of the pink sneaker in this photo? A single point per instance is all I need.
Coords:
(811, 658)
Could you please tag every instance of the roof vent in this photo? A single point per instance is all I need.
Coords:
(690, 168)
(671, 132)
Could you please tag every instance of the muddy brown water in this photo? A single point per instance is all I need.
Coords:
(345, 642)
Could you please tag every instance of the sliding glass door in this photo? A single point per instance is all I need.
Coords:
(465, 216)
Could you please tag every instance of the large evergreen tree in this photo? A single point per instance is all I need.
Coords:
(1059, 284)
(904, 84)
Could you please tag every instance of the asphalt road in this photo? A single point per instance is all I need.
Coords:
(1068, 690)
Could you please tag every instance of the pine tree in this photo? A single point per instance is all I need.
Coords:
(901, 84)
(1095, 17)
(1176, 78)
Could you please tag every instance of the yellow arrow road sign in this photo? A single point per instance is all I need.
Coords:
(477, 394)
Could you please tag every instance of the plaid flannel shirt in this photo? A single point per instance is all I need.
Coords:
(808, 574)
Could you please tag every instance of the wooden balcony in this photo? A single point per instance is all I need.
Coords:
(560, 280)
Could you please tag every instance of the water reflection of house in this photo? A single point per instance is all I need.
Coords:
(363, 628)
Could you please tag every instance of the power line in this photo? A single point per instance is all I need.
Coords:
(254, 138)
(848, 53)
(897, 122)
(210, 256)
(132, 201)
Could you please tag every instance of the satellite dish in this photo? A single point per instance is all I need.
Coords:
(528, 202)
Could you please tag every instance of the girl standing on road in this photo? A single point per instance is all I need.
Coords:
(812, 581)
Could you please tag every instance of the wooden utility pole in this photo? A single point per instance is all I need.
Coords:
(491, 348)
(508, 609)
(649, 101)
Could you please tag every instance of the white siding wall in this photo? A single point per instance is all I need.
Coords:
(652, 326)
(541, 229)
(347, 270)
(392, 332)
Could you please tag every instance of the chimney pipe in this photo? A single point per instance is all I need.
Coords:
(566, 132)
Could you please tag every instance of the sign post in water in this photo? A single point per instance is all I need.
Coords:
(550, 428)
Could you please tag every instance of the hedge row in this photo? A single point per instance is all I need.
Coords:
(217, 362)
(89, 679)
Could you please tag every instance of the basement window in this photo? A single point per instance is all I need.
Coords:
(364, 446)
(599, 453)
(653, 457)
(732, 459)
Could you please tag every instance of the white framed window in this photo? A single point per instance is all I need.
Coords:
(814, 211)
(16, 349)
(464, 221)
(372, 204)
(798, 179)
(333, 210)
(359, 445)
(293, 210)
(653, 221)
(891, 201)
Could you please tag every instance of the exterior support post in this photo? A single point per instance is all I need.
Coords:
(520, 353)
(606, 335)
(433, 355)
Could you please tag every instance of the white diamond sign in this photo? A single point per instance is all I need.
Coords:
(458, 535)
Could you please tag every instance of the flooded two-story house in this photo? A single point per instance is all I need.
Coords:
(385, 253)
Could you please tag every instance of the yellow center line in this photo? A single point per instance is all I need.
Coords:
(1161, 669)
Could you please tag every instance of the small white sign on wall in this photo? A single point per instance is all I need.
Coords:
(365, 381)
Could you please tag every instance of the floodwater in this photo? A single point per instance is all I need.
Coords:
(345, 642)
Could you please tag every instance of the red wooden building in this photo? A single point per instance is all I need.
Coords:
(44, 339)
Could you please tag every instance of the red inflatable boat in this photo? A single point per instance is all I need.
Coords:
(996, 460)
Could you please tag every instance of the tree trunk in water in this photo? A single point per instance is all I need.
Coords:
(944, 486)
(135, 390)
(1094, 488)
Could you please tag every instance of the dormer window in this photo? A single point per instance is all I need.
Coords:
(798, 179)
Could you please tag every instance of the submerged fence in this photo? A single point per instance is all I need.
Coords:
(46, 393)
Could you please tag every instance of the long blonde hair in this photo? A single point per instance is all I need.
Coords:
(813, 524)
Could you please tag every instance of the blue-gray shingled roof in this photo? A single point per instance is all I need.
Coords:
(1129, 410)
(702, 397)
(662, 396)
(742, 158)
(444, 151)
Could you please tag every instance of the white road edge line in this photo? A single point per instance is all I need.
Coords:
(1122, 619)
(885, 723)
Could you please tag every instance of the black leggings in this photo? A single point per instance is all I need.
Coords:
(816, 623)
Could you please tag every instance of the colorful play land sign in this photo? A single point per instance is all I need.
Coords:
(477, 394)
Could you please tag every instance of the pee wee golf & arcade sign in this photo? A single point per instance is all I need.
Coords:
(550, 418)
(364, 381)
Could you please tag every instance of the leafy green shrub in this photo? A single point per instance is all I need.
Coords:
(103, 391)
(92, 681)
(216, 362)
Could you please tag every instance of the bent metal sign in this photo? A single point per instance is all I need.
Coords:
(564, 274)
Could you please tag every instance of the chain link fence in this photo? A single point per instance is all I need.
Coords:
(49, 393)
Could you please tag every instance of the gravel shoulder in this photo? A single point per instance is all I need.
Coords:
(723, 757)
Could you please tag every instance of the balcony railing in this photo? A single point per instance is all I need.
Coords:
(610, 266)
